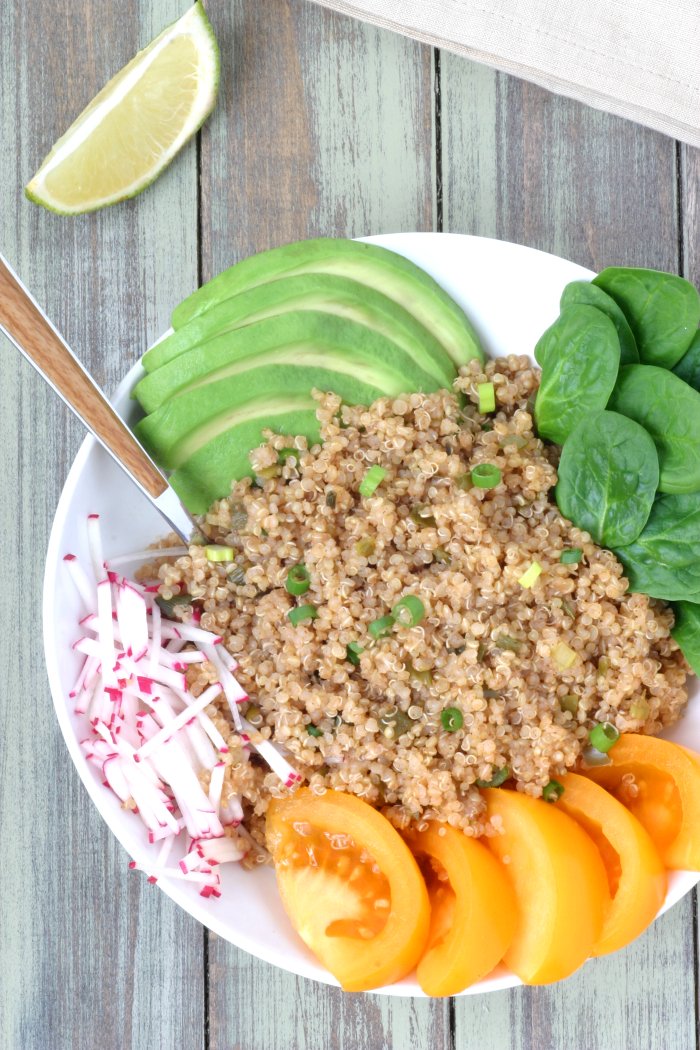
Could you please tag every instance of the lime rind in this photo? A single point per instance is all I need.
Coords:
(194, 23)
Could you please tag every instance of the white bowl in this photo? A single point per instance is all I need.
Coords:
(511, 293)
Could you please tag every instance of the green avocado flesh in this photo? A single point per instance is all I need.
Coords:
(368, 264)
(320, 293)
(224, 457)
(182, 425)
(305, 338)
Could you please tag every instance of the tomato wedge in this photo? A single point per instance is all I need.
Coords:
(473, 910)
(636, 874)
(350, 886)
(559, 881)
(659, 782)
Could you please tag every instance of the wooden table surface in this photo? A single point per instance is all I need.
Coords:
(324, 126)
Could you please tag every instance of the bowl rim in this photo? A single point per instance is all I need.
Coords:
(680, 883)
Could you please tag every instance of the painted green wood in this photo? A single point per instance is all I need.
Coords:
(326, 127)
(521, 164)
(90, 955)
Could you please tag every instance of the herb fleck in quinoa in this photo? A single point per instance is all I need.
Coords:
(377, 727)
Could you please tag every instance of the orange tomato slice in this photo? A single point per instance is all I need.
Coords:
(472, 909)
(659, 782)
(636, 874)
(559, 881)
(350, 886)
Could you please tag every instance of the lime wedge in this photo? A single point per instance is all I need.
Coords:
(136, 124)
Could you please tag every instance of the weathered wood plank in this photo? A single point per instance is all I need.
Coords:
(89, 954)
(326, 127)
(521, 164)
(524, 165)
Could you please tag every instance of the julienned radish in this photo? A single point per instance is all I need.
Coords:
(149, 735)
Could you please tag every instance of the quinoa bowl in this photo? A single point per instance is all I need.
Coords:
(511, 293)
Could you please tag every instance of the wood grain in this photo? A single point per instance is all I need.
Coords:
(325, 126)
(524, 165)
(90, 955)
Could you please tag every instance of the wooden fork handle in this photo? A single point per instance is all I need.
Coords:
(34, 335)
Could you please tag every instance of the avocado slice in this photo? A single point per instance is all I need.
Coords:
(179, 427)
(380, 269)
(328, 293)
(306, 337)
(210, 471)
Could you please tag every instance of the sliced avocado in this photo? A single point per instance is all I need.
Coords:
(308, 337)
(316, 292)
(380, 269)
(210, 471)
(177, 429)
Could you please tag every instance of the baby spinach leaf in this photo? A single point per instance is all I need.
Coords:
(670, 410)
(580, 363)
(663, 561)
(686, 631)
(663, 310)
(688, 368)
(578, 292)
(608, 476)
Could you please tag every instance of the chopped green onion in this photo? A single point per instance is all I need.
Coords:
(215, 552)
(487, 397)
(530, 576)
(571, 557)
(452, 719)
(481, 651)
(564, 656)
(603, 736)
(441, 556)
(487, 427)
(372, 480)
(301, 613)
(568, 608)
(421, 516)
(273, 471)
(640, 710)
(498, 778)
(603, 666)
(395, 724)
(409, 611)
(485, 476)
(464, 482)
(298, 580)
(424, 677)
(254, 714)
(569, 703)
(330, 499)
(378, 628)
(365, 547)
(236, 574)
(167, 605)
(352, 653)
(313, 730)
(552, 791)
(506, 641)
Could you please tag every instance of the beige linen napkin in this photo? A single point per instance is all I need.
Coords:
(636, 58)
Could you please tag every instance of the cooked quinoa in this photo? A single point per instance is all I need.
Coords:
(487, 647)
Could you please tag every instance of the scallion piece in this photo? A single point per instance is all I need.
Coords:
(313, 730)
(569, 703)
(301, 613)
(371, 481)
(485, 476)
(571, 557)
(298, 580)
(452, 719)
(378, 628)
(352, 653)
(216, 552)
(603, 736)
(498, 778)
(564, 656)
(409, 611)
(487, 397)
(552, 791)
(531, 574)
